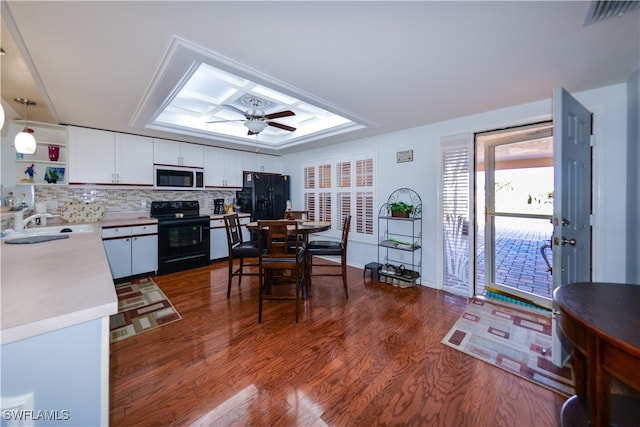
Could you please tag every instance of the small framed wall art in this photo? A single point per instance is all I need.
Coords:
(404, 156)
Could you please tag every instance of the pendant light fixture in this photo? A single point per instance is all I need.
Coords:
(255, 125)
(25, 142)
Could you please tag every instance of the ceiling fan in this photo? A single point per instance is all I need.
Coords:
(255, 120)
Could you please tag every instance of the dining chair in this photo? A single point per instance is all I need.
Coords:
(333, 249)
(239, 249)
(282, 264)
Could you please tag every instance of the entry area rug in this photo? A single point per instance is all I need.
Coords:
(142, 306)
(516, 341)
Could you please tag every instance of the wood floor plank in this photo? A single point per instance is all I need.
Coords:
(374, 359)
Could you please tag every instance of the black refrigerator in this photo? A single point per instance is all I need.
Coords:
(263, 195)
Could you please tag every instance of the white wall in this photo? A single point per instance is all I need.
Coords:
(610, 173)
(633, 191)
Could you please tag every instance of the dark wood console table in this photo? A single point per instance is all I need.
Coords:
(602, 321)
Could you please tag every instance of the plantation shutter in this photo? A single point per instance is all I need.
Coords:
(338, 187)
(324, 197)
(364, 196)
(455, 215)
(309, 191)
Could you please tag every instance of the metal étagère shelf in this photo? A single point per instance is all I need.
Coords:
(400, 239)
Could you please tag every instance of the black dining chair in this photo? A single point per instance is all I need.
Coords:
(282, 264)
(239, 249)
(332, 249)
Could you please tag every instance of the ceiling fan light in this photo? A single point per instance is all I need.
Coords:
(25, 142)
(255, 126)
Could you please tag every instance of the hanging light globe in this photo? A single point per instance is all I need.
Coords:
(25, 142)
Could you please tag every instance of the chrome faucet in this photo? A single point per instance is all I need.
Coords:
(20, 223)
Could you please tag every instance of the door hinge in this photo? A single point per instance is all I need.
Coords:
(592, 140)
(591, 220)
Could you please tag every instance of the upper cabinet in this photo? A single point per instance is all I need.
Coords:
(103, 157)
(166, 152)
(48, 164)
(224, 167)
(256, 162)
(134, 159)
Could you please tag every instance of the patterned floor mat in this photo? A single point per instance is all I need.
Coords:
(516, 341)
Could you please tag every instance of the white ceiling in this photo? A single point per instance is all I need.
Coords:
(391, 65)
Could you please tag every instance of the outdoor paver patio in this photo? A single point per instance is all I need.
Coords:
(519, 262)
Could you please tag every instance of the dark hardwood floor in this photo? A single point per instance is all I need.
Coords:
(375, 359)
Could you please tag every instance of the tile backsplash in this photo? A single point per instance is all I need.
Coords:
(133, 200)
(129, 200)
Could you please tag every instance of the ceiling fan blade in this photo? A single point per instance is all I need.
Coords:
(236, 109)
(286, 113)
(281, 126)
(225, 121)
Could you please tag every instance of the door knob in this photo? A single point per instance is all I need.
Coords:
(572, 242)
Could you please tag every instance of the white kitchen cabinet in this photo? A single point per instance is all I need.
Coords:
(133, 159)
(166, 152)
(103, 157)
(131, 250)
(256, 162)
(64, 372)
(271, 164)
(144, 253)
(119, 255)
(91, 156)
(218, 239)
(224, 167)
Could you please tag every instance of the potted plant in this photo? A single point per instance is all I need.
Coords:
(400, 209)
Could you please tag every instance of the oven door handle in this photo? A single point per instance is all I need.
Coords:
(204, 222)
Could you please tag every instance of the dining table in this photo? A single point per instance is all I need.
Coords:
(601, 321)
(305, 229)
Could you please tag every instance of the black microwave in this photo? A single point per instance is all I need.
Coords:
(169, 178)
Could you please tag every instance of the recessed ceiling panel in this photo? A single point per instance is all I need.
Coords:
(200, 93)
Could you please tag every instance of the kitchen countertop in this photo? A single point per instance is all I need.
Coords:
(53, 285)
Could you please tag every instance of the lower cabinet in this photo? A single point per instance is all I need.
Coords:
(218, 240)
(219, 245)
(58, 378)
(131, 250)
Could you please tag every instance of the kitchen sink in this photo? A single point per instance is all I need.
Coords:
(36, 239)
(51, 231)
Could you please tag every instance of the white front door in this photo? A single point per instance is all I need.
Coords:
(572, 200)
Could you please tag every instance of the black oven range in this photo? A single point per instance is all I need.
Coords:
(183, 235)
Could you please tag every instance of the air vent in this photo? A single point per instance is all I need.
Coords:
(601, 10)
